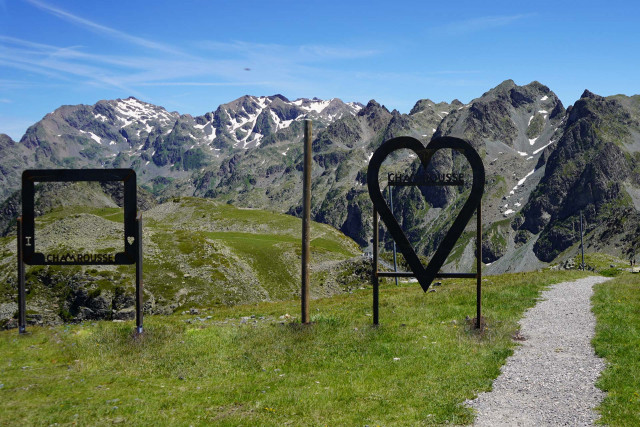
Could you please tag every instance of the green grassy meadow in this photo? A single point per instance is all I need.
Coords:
(616, 304)
(257, 365)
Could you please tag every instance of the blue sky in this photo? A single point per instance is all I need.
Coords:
(191, 56)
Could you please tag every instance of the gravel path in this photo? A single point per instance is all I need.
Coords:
(550, 378)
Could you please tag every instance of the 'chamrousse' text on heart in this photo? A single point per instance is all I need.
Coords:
(400, 179)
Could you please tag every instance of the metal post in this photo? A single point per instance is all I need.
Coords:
(306, 220)
(581, 242)
(139, 294)
(479, 264)
(374, 270)
(22, 301)
(395, 262)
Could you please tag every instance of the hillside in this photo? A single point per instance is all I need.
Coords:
(196, 252)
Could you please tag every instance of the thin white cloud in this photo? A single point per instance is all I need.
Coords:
(102, 29)
(455, 72)
(302, 53)
(5, 101)
(12, 62)
(482, 23)
(320, 52)
(275, 67)
(56, 68)
(205, 83)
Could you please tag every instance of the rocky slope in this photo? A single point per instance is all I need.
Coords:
(594, 170)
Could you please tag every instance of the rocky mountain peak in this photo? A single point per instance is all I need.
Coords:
(506, 85)
(502, 88)
(372, 105)
(376, 115)
(591, 106)
(421, 105)
(5, 141)
(278, 96)
(373, 108)
(588, 94)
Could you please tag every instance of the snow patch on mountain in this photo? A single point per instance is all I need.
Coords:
(354, 106)
(522, 181)
(543, 147)
(315, 105)
(281, 124)
(131, 110)
(93, 136)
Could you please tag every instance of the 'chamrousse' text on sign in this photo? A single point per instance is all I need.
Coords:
(403, 179)
(79, 257)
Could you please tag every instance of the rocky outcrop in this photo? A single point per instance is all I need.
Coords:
(585, 173)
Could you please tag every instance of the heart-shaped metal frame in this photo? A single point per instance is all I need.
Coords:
(426, 275)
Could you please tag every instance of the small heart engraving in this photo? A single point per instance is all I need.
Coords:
(426, 275)
(131, 240)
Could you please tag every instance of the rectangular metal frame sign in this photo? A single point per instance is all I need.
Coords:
(127, 176)
(27, 240)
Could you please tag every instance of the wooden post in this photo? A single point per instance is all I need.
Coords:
(306, 220)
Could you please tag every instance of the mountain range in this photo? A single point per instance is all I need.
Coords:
(545, 165)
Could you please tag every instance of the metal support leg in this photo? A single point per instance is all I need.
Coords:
(22, 302)
(479, 264)
(374, 270)
(139, 296)
(395, 259)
